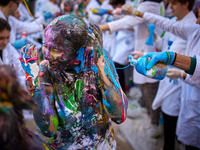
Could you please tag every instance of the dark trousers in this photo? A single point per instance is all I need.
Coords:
(120, 73)
(149, 91)
(169, 123)
(187, 147)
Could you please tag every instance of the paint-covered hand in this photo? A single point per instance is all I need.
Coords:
(28, 57)
(20, 43)
(99, 11)
(97, 41)
(162, 57)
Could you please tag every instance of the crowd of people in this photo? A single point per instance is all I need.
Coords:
(65, 60)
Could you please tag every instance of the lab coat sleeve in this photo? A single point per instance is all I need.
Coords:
(130, 21)
(179, 29)
(125, 23)
(18, 68)
(30, 28)
(196, 75)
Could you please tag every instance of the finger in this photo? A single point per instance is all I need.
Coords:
(151, 63)
(27, 52)
(35, 53)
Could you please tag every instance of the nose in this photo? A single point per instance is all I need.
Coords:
(5, 41)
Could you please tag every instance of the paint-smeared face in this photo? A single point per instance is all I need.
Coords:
(64, 36)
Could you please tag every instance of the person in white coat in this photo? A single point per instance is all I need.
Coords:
(149, 86)
(188, 129)
(8, 54)
(7, 9)
(169, 91)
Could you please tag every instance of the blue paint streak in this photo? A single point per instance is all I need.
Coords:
(27, 69)
(95, 69)
(106, 103)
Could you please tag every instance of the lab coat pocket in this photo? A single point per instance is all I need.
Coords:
(194, 109)
(194, 105)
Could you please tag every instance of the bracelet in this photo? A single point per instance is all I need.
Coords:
(174, 58)
(168, 58)
(136, 13)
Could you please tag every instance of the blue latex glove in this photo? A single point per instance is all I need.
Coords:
(18, 44)
(150, 39)
(109, 18)
(161, 57)
(99, 11)
(47, 15)
(141, 65)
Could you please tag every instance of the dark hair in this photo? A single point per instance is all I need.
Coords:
(4, 25)
(5, 2)
(190, 6)
(116, 2)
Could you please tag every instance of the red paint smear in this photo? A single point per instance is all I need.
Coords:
(123, 116)
(30, 59)
(120, 104)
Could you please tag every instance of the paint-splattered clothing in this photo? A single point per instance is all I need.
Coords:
(78, 108)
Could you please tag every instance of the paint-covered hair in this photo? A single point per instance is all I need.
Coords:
(12, 100)
(67, 33)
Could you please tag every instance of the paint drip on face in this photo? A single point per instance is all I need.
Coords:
(64, 36)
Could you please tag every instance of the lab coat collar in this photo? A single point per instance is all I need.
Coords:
(2, 15)
(188, 18)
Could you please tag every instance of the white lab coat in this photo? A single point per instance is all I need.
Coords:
(24, 14)
(54, 9)
(141, 28)
(38, 7)
(109, 39)
(17, 26)
(168, 94)
(188, 125)
(125, 43)
(92, 17)
(196, 75)
(11, 57)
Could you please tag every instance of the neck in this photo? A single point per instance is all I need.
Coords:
(184, 13)
(5, 11)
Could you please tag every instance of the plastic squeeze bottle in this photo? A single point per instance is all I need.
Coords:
(24, 35)
(158, 71)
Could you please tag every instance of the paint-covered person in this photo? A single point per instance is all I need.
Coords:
(13, 133)
(76, 88)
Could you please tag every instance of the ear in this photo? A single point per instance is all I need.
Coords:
(186, 4)
(10, 4)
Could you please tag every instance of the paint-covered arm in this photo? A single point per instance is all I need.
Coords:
(114, 99)
(44, 114)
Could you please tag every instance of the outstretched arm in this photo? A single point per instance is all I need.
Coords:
(114, 99)
(41, 92)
